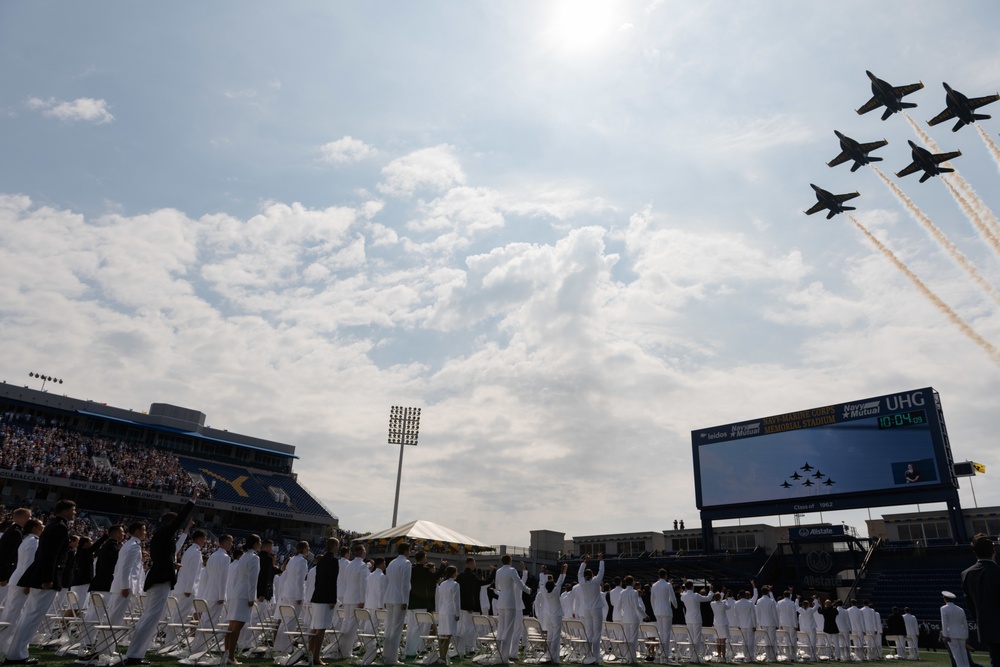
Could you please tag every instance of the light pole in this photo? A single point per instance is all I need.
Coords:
(404, 428)
(44, 379)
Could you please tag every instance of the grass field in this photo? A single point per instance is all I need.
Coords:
(48, 658)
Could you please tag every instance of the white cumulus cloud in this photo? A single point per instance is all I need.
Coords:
(436, 168)
(83, 108)
(346, 151)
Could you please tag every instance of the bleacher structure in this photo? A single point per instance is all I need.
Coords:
(252, 485)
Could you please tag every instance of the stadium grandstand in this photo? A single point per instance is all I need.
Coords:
(115, 461)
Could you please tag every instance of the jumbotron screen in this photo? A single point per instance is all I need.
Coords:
(865, 453)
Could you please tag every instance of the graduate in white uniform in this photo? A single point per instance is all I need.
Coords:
(808, 625)
(448, 606)
(397, 595)
(721, 604)
(553, 605)
(954, 629)
(912, 633)
(187, 579)
(692, 600)
(353, 597)
(16, 597)
(767, 621)
(745, 613)
(241, 595)
(509, 605)
(125, 586)
(632, 611)
(212, 589)
(590, 605)
(788, 619)
(292, 590)
(664, 601)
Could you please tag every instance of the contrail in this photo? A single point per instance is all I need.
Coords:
(987, 232)
(931, 296)
(942, 239)
(983, 213)
(994, 149)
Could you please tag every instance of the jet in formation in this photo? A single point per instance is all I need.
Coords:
(807, 467)
(795, 475)
(835, 203)
(852, 150)
(808, 482)
(961, 107)
(884, 94)
(924, 159)
(786, 485)
(829, 482)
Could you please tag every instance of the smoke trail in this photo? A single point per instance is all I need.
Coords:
(994, 149)
(942, 240)
(988, 233)
(931, 296)
(983, 213)
(924, 137)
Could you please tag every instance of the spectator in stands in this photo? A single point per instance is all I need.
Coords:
(981, 584)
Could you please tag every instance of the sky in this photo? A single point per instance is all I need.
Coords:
(571, 232)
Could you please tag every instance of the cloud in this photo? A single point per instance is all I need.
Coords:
(81, 109)
(346, 151)
(435, 169)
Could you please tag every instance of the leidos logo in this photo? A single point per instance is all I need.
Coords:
(853, 410)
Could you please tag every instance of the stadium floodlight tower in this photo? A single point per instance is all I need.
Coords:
(404, 428)
(45, 378)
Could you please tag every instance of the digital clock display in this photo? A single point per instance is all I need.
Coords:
(911, 418)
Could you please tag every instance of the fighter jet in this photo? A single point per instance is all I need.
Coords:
(786, 485)
(852, 150)
(807, 467)
(883, 94)
(961, 106)
(829, 482)
(818, 474)
(808, 482)
(795, 475)
(924, 159)
(832, 202)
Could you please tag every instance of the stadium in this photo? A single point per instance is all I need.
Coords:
(119, 465)
(115, 462)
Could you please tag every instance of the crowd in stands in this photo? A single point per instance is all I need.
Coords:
(57, 452)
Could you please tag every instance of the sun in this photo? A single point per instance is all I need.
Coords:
(579, 27)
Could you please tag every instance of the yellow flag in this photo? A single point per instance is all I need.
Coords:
(979, 467)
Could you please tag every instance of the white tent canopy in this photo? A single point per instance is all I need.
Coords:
(434, 537)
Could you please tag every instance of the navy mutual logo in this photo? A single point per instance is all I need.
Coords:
(855, 410)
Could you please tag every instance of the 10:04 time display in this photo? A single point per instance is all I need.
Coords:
(911, 418)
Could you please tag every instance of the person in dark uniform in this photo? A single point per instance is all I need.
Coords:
(160, 578)
(44, 577)
(981, 584)
(324, 597)
(107, 558)
(9, 544)
(265, 578)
